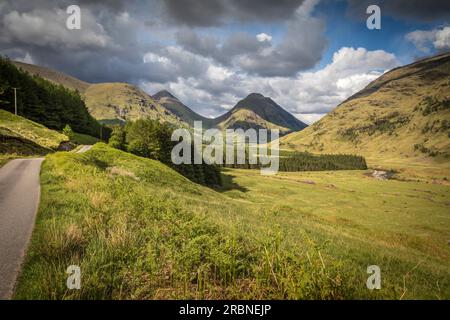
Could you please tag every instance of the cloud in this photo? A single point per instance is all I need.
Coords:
(408, 10)
(218, 12)
(47, 29)
(300, 48)
(310, 118)
(442, 40)
(424, 40)
(209, 69)
(263, 37)
(308, 95)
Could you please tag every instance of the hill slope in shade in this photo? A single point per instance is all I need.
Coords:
(257, 111)
(53, 76)
(404, 114)
(171, 103)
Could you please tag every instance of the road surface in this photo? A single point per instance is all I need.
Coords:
(19, 201)
(84, 149)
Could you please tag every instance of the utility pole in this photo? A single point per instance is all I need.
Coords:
(15, 101)
(101, 132)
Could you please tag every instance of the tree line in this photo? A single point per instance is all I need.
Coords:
(45, 102)
(152, 139)
(305, 161)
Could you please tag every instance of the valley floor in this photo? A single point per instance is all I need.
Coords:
(138, 230)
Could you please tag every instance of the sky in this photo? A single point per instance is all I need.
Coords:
(307, 55)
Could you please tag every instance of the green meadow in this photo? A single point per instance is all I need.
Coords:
(139, 230)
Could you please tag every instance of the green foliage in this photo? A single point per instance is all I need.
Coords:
(68, 132)
(304, 161)
(45, 102)
(117, 139)
(151, 139)
(130, 245)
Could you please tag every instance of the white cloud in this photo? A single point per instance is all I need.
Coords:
(442, 40)
(310, 118)
(26, 59)
(263, 37)
(309, 95)
(48, 28)
(424, 40)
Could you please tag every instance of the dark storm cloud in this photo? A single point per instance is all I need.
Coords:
(416, 10)
(300, 48)
(236, 44)
(216, 12)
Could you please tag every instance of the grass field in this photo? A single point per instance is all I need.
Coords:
(80, 138)
(139, 230)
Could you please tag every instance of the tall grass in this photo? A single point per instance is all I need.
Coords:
(136, 234)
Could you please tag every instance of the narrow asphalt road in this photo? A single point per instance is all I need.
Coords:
(84, 149)
(19, 201)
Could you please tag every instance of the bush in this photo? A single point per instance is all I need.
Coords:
(68, 132)
(118, 138)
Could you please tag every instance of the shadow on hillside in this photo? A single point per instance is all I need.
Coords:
(228, 184)
(21, 146)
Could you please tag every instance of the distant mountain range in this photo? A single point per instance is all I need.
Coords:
(404, 114)
(119, 102)
(255, 111)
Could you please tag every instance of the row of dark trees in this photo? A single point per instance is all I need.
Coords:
(44, 102)
(304, 161)
(152, 139)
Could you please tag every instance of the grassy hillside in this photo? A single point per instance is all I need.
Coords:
(123, 102)
(53, 76)
(139, 230)
(45, 102)
(22, 137)
(404, 116)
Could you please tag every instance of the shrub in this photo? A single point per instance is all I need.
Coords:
(68, 132)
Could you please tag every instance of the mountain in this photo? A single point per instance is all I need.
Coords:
(119, 102)
(171, 103)
(257, 111)
(53, 76)
(404, 114)
(108, 102)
